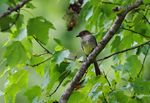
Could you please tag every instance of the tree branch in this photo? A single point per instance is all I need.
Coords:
(16, 8)
(101, 45)
(123, 51)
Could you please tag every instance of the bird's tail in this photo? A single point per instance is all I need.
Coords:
(97, 70)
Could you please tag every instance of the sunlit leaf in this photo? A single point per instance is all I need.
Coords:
(141, 86)
(33, 92)
(115, 43)
(76, 98)
(39, 27)
(16, 82)
(5, 23)
(118, 96)
(30, 5)
(133, 65)
(59, 56)
(15, 54)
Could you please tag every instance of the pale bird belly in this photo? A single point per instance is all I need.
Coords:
(88, 48)
(88, 44)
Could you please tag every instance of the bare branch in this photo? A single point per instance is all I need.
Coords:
(101, 45)
(119, 52)
(16, 8)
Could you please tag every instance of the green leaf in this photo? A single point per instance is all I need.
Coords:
(39, 66)
(15, 54)
(39, 27)
(58, 48)
(115, 43)
(117, 67)
(94, 94)
(19, 21)
(62, 67)
(133, 65)
(58, 41)
(54, 75)
(5, 23)
(126, 41)
(30, 5)
(143, 49)
(33, 92)
(146, 1)
(16, 82)
(27, 43)
(78, 97)
(141, 86)
(137, 18)
(118, 97)
(3, 69)
(60, 56)
(145, 99)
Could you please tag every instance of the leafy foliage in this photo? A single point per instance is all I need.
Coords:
(15, 54)
(29, 46)
(39, 27)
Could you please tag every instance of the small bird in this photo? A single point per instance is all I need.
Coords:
(88, 43)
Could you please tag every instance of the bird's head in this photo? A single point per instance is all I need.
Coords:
(83, 33)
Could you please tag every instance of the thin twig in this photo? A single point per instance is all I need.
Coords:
(143, 61)
(123, 51)
(34, 65)
(16, 8)
(111, 3)
(42, 45)
(136, 32)
(56, 88)
(107, 81)
(144, 17)
(105, 98)
(59, 83)
(38, 55)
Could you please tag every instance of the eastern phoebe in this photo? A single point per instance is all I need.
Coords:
(88, 43)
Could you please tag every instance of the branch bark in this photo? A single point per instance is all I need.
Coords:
(101, 45)
(16, 8)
